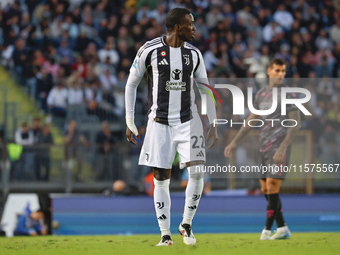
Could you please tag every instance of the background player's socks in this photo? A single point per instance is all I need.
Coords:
(162, 205)
(272, 207)
(193, 192)
(280, 222)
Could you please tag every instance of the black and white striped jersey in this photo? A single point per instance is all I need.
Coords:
(170, 73)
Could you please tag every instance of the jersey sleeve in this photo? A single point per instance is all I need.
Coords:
(200, 71)
(138, 67)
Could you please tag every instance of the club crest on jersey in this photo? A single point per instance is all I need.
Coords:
(163, 53)
(187, 59)
(176, 74)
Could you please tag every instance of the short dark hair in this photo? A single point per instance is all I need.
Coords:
(276, 61)
(175, 16)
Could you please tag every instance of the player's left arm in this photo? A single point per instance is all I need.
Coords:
(291, 133)
(201, 76)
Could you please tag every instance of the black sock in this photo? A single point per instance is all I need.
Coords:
(272, 208)
(280, 222)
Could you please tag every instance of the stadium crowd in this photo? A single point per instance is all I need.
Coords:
(71, 52)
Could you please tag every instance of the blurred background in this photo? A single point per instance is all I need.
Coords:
(64, 65)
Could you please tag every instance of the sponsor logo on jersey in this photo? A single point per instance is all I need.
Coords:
(175, 86)
(176, 74)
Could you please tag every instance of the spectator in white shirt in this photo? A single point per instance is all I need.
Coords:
(176, 4)
(6, 55)
(159, 14)
(322, 42)
(245, 14)
(204, 4)
(57, 100)
(214, 16)
(75, 94)
(87, 26)
(210, 59)
(108, 51)
(271, 30)
(325, 86)
(284, 17)
(144, 12)
(335, 31)
(72, 28)
(108, 80)
(24, 136)
(109, 83)
(56, 28)
(24, 168)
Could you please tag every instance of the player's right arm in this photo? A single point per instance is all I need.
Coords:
(201, 77)
(229, 150)
(137, 71)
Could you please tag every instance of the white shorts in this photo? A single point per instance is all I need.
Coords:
(162, 141)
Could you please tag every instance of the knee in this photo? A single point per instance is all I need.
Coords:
(161, 174)
(264, 190)
(272, 187)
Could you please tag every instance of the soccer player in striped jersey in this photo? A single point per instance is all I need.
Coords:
(173, 121)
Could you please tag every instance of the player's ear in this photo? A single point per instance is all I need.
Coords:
(268, 70)
(178, 27)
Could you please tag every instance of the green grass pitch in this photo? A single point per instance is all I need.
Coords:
(248, 244)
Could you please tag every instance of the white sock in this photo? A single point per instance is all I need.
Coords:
(193, 192)
(161, 197)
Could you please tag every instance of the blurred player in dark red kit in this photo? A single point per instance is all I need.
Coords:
(275, 146)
